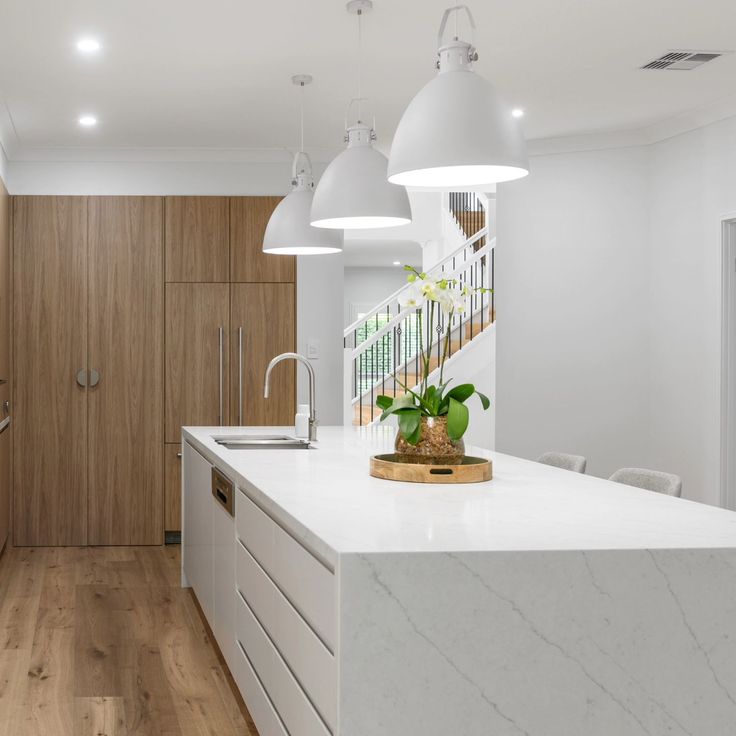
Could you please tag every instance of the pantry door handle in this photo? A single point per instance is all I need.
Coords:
(94, 378)
(240, 376)
(81, 377)
(220, 332)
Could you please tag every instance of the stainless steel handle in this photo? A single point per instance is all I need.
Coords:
(178, 454)
(4, 424)
(3, 381)
(94, 378)
(6, 407)
(82, 378)
(240, 376)
(221, 339)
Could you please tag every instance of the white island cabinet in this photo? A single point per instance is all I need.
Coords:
(541, 603)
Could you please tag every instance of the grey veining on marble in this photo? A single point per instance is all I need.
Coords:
(566, 643)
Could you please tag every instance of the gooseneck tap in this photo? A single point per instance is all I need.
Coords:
(310, 370)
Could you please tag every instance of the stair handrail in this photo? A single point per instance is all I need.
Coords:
(402, 314)
(393, 297)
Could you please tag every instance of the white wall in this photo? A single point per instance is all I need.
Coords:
(693, 188)
(609, 303)
(572, 280)
(364, 285)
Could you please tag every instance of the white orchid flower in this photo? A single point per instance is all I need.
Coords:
(412, 296)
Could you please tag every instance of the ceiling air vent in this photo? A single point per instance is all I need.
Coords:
(682, 60)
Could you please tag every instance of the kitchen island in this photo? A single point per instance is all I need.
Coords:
(542, 602)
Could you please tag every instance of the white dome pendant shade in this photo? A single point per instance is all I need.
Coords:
(456, 132)
(289, 232)
(354, 192)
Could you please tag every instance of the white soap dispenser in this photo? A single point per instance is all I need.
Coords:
(301, 421)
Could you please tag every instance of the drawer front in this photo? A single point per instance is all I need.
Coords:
(306, 582)
(259, 705)
(307, 657)
(289, 700)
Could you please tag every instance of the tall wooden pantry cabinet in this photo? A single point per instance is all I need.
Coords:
(88, 334)
(6, 428)
(229, 309)
(134, 316)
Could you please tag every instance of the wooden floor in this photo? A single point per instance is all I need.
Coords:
(102, 641)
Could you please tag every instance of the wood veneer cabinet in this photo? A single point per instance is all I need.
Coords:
(197, 369)
(5, 366)
(248, 263)
(125, 409)
(50, 346)
(262, 326)
(88, 346)
(172, 484)
(197, 239)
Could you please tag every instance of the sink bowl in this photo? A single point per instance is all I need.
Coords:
(262, 442)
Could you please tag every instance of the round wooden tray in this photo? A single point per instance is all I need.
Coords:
(471, 470)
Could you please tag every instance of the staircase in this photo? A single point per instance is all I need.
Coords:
(382, 347)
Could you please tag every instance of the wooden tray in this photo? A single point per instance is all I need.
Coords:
(471, 470)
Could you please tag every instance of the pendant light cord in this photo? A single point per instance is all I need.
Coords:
(301, 118)
(360, 61)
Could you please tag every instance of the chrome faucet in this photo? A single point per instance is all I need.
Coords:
(310, 370)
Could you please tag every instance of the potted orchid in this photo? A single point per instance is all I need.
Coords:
(432, 418)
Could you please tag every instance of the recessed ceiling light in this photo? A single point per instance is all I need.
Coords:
(88, 45)
(397, 263)
(517, 112)
(88, 121)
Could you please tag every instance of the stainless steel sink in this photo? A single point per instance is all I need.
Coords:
(262, 442)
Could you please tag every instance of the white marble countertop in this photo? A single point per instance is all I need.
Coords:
(326, 497)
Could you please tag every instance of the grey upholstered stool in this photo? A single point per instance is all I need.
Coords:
(576, 463)
(649, 480)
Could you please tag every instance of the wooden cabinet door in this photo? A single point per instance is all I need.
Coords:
(266, 314)
(125, 409)
(248, 263)
(172, 483)
(5, 284)
(5, 307)
(197, 239)
(196, 362)
(6, 476)
(50, 346)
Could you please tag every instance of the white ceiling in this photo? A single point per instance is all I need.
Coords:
(215, 75)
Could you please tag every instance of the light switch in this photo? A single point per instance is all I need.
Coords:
(313, 349)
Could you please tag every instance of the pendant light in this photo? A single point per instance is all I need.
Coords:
(354, 191)
(288, 231)
(456, 132)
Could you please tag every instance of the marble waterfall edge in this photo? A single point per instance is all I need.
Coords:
(554, 643)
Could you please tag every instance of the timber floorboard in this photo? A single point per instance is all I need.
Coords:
(103, 641)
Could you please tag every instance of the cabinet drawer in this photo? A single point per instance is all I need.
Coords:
(306, 582)
(259, 705)
(289, 700)
(309, 660)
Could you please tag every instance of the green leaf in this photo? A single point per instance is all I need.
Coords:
(405, 401)
(409, 422)
(457, 419)
(461, 393)
(383, 402)
(483, 400)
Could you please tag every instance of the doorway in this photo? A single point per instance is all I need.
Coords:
(728, 364)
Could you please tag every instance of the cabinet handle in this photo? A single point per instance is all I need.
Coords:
(94, 378)
(240, 376)
(81, 377)
(221, 340)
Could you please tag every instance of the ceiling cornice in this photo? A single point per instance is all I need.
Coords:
(643, 136)
(646, 135)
